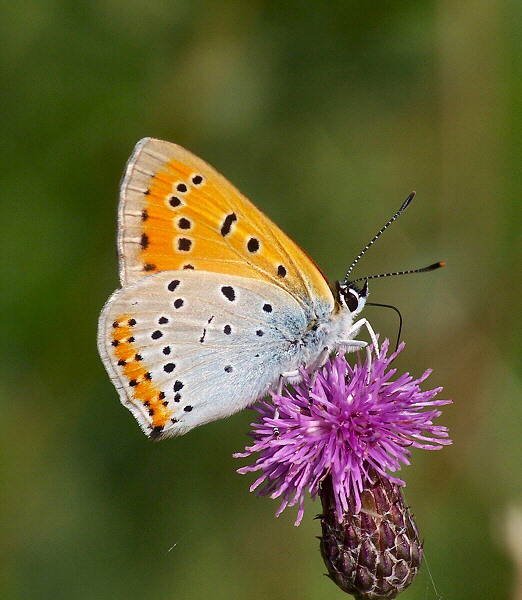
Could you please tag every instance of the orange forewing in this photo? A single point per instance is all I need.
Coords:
(177, 212)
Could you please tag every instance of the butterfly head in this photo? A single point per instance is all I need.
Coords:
(350, 297)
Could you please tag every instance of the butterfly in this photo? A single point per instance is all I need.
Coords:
(217, 305)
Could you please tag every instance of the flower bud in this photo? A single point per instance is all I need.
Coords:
(374, 553)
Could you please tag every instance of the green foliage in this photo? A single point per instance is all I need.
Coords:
(327, 115)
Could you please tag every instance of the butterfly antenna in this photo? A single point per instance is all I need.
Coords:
(432, 267)
(404, 206)
(400, 318)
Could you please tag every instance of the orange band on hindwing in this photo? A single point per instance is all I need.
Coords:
(137, 376)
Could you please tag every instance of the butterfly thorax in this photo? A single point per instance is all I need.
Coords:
(335, 326)
(323, 333)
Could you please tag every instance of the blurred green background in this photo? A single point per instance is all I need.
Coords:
(327, 115)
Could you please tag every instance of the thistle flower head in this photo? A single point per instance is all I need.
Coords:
(344, 422)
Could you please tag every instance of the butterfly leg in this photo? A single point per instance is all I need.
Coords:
(288, 377)
(285, 377)
(319, 363)
(351, 345)
(355, 344)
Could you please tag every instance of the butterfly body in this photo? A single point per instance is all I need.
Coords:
(216, 304)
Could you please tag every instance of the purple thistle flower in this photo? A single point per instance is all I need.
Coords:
(345, 425)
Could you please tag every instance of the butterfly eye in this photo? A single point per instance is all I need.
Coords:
(352, 300)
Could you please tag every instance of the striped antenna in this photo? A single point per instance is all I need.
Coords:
(432, 267)
(404, 206)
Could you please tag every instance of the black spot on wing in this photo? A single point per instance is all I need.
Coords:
(253, 245)
(184, 223)
(184, 244)
(156, 432)
(226, 227)
(228, 292)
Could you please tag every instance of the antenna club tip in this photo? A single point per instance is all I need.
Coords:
(407, 202)
(435, 266)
